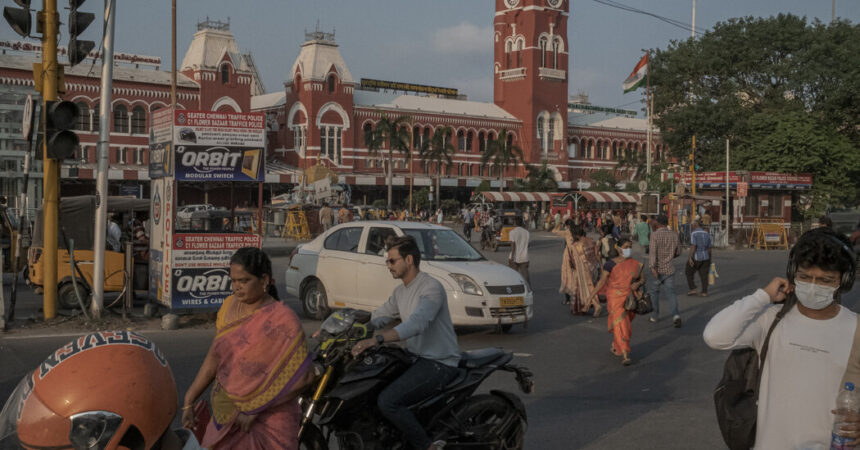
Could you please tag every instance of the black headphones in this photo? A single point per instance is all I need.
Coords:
(847, 280)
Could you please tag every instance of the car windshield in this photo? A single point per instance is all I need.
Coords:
(443, 245)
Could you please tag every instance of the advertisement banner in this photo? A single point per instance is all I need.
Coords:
(219, 129)
(776, 180)
(201, 267)
(217, 163)
(160, 138)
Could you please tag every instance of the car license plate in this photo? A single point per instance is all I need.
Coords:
(511, 301)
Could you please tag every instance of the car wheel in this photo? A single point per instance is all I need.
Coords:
(506, 328)
(66, 295)
(315, 301)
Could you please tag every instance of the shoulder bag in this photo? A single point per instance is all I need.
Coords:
(736, 396)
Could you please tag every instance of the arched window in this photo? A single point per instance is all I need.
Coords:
(469, 141)
(138, 120)
(367, 128)
(540, 134)
(461, 141)
(83, 117)
(508, 50)
(510, 142)
(225, 74)
(416, 137)
(520, 53)
(120, 119)
(542, 46)
(482, 142)
(331, 83)
(426, 136)
(555, 53)
(331, 143)
(550, 135)
(96, 118)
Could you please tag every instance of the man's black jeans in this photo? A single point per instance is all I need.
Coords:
(421, 381)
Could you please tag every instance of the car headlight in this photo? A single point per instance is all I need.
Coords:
(467, 284)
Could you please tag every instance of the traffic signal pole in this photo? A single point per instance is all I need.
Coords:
(102, 155)
(51, 167)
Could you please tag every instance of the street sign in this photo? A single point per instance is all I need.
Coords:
(643, 185)
(27, 121)
(743, 186)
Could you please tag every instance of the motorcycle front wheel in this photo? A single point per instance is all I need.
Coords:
(312, 439)
(490, 420)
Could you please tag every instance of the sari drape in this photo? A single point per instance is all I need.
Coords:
(578, 281)
(261, 356)
(618, 289)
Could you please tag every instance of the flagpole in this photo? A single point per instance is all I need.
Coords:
(649, 109)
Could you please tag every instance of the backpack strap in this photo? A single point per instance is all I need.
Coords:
(789, 303)
(852, 372)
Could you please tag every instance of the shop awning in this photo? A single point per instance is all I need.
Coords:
(607, 197)
(514, 196)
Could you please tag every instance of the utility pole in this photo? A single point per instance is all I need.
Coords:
(50, 167)
(728, 204)
(693, 167)
(102, 157)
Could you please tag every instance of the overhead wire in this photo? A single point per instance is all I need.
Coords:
(670, 21)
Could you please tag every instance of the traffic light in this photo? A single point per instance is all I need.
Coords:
(78, 22)
(19, 18)
(61, 117)
(697, 161)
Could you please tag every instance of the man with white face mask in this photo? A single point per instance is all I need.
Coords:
(812, 351)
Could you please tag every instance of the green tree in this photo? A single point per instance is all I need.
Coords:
(391, 135)
(539, 179)
(483, 186)
(604, 180)
(785, 92)
(421, 198)
(500, 154)
(437, 150)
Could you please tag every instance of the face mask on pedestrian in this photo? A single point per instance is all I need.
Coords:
(813, 296)
(626, 252)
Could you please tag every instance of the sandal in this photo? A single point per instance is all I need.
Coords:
(626, 361)
(598, 309)
(703, 294)
(692, 292)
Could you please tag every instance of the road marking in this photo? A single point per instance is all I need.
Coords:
(522, 355)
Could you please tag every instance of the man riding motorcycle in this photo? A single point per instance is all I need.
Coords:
(105, 390)
(422, 306)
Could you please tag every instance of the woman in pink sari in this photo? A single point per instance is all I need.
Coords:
(258, 361)
(579, 265)
(621, 275)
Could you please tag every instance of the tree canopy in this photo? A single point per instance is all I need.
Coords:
(785, 92)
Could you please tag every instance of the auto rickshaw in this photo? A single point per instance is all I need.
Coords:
(76, 224)
(507, 220)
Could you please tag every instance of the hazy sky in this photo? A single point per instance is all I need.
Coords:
(439, 42)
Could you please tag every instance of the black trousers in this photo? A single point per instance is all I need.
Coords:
(702, 268)
(421, 381)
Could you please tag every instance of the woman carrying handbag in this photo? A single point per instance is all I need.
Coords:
(622, 275)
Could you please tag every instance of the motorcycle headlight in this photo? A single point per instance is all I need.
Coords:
(467, 284)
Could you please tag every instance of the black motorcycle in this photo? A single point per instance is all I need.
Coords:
(343, 402)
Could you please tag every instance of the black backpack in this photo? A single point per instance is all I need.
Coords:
(736, 396)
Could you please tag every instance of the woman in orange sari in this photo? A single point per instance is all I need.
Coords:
(621, 274)
(258, 361)
(579, 264)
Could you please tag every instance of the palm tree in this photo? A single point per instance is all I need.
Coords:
(539, 179)
(391, 133)
(438, 149)
(501, 155)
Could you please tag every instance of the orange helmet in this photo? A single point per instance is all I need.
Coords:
(100, 391)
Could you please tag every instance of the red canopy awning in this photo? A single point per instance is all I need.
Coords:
(516, 196)
(607, 197)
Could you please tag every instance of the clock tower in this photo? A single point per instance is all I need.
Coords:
(530, 75)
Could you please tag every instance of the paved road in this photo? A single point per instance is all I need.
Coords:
(584, 398)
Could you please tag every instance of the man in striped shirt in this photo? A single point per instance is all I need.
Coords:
(664, 248)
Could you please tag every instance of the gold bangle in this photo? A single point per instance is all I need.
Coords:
(187, 407)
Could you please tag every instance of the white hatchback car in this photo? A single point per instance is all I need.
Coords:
(345, 268)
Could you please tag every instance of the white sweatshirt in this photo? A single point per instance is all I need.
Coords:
(803, 370)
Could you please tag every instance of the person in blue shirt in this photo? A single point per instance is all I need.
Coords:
(700, 258)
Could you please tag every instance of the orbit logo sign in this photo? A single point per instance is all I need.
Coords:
(202, 163)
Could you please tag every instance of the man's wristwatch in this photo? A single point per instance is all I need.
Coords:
(380, 339)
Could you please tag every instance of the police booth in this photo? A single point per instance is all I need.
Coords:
(190, 247)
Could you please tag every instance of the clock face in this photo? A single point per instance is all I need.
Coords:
(554, 3)
(512, 3)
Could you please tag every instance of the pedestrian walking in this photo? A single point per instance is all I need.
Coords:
(468, 223)
(812, 351)
(699, 260)
(326, 216)
(642, 232)
(344, 215)
(580, 268)
(664, 248)
(622, 275)
(439, 216)
(606, 243)
(519, 256)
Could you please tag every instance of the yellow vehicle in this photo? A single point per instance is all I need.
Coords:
(505, 225)
(76, 224)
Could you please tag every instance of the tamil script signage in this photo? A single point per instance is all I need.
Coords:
(397, 86)
(776, 180)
